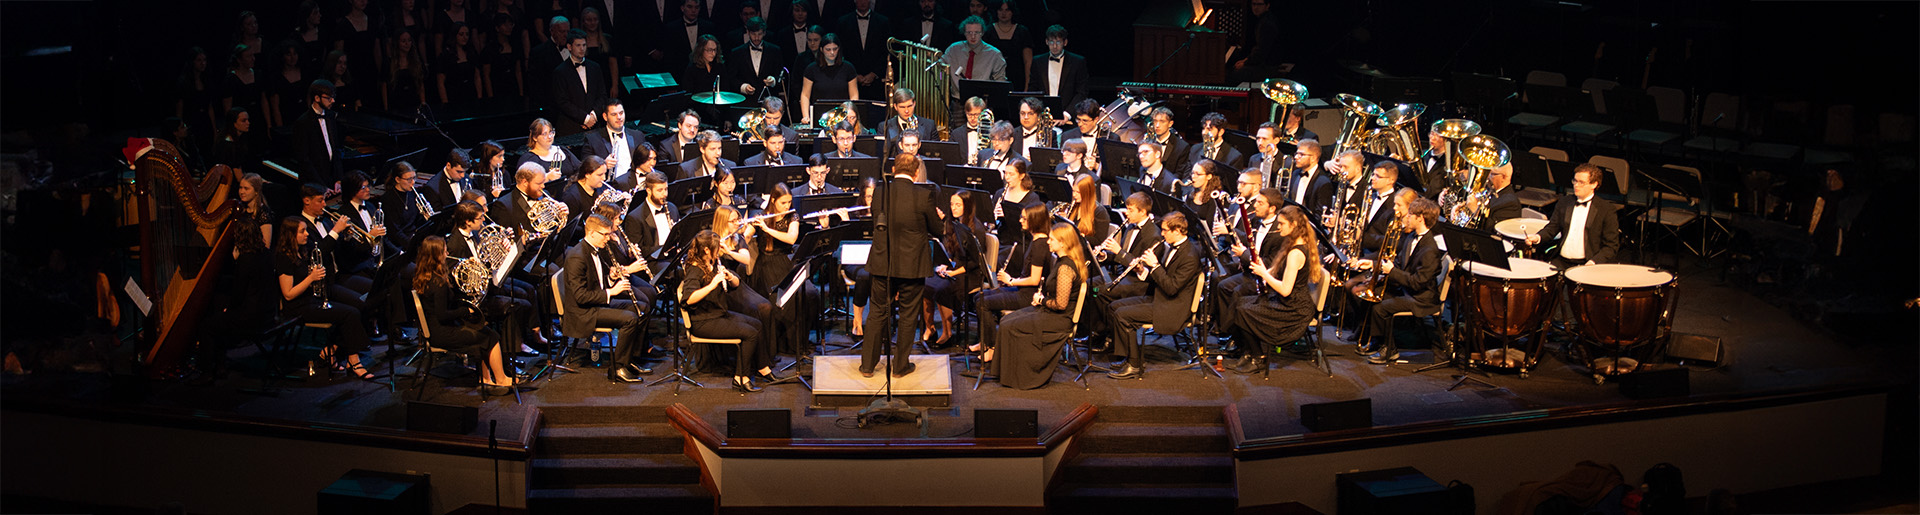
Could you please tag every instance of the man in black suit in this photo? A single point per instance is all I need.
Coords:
(904, 222)
(843, 138)
(1001, 147)
(317, 138)
(673, 41)
(1266, 139)
(826, 12)
(1059, 73)
(1262, 243)
(709, 161)
(593, 300)
(751, 66)
(1412, 278)
(775, 142)
(1173, 146)
(544, 57)
(512, 210)
(1137, 235)
(1589, 226)
(967, 132)
(863, 43)
(1379, 201)
(1304, 181)
(615, 144)
(776, 116)
(1153, 172)
(1169, 281)
(1294, 130)
(1347, 184)
(1213, 144)
(451, 185)
(578, 91)
(1433, 177)
(673, 147)
(652, 217)
(894, 126)
(1505, 204)
(792, 36)
(817, 171)
(1086, 121)
(928, 25)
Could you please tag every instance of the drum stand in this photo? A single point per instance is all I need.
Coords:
(1454, 356)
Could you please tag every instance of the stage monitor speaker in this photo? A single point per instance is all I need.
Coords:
(368, 492)
(1006, 423)
(760, 423)
(1390, 491)
(1333, 416)
(1654, 384)
(1695, 349)
(442, 418)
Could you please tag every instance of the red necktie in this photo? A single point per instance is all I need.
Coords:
(969, 71)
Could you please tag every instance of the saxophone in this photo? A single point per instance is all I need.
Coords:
(1373, 286)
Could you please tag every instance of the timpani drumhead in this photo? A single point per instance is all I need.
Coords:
(1619, 276)
(1519, 228)
(1518, 268)
(1442, 243)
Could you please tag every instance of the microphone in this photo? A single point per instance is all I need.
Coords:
(1717, 119)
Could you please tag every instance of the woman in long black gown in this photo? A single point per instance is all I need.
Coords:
(1031, 338)
(298, 276)
(1279, 313)
(451, 318)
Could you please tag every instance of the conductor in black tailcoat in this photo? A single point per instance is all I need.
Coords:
(899, 262)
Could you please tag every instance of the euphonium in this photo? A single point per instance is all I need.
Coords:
(1482, 153)
(751, 123)
(1453, 166)
(1398, 133)
(1359, 113)
(1284, 94)
(984, 132)
(832, 118)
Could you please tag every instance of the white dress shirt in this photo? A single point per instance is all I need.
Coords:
(1576, 246)
(1054, 65)
(662, 222)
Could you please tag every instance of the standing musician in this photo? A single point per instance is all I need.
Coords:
(1019, 278)
(452, 184)
(775, 142)
(1411, 278)
(904, 121)
(972, 59)
(773, 242)
(752, 66)
(967, 131)
(579, 85)
(1505, 204)
(1036, 129)
(817, 171)
(1173, 147)
(1153, 173)
(1059, 73)
(709, 161)
(585, 187)
(722, 193)
(652, 217)
(1168, 273)
(594, 300)
(928, 26)
(317, 136)
(899, 263)
(1032, 337)
(964, 241)
(1379, 198)
(843, 138)
(611, 142)
(1213, 143)
(298, 274)
(1433, 160)
(515, 296)
(1268, 161)
(999, 149)
(1283, 309)
(451, 318)
(710, 311)
(540, 150)
(1589, 226)
(402, 202)
(675, 144)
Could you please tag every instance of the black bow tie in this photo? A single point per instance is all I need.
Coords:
(862, 16)
(618, 134)
(926, 17)
(799, 30)
(660, 211)
(577, 64)
(1583, 203)
(1057, 58)
(693, 24)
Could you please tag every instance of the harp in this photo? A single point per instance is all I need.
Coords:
(183, 246)
(919, 68)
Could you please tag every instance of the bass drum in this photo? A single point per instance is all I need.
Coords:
(1620, 311)
(1118, 120)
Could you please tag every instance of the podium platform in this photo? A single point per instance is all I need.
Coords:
(837, 382)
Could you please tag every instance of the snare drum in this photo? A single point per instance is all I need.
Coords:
(1507, 305)
(1620, 309)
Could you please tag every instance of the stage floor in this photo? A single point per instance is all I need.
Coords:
(1766, 349)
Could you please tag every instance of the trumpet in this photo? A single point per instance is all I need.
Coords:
(353, 230)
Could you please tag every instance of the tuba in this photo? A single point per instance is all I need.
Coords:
(1284, 94)
(1399, 133)
(839, 113)
(1359, 113)
(1482, 153)
(1452, 165)
(750, 124)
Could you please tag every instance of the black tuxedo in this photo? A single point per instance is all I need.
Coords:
(600, 143)
(1225, 154)
(696, 168)
(944, 31)
(440, 193)
(1413, 284)
(541, 60)
(671, 40)
(740, 70)
(1377, 222)
(1166, 305)
(985, 158)
(786, 158)
(891, 131)
(826, 12)
(1602, 231)
(510, 211)
(807, 189)
(900, 261)
(319, 143)
(640, 227)
(868, 55)
(671, 149)
(573, 100)
(588, 306)
(1073, 76)
(1174, 153)
(1321, 188)
(1165, 183)
(1504, 206)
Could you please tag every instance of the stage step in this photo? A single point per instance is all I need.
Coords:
(592, 498)
(654, 438)
(1142, 498)
(1107, 469)
(562, 471)
(579, 414)
(1125, 438)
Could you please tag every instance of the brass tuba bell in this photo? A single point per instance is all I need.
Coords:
(1399, 133)
(1359, 113)
(1482, 153)
(751, 123)
(839, 113)
(1284, 94)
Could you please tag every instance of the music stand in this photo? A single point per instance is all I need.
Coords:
(729, 149)
(1467, 247)
(748, 149)
(974, 177)
(665, 107)
(1686, 185)
(1056, 104)
(846, 172)
(795, 285)
(1243, 142)
(994, 92)
(1009, 222)
(981, 202)
(949, 151)
(783, 174)
(685, 192)
(936, 169)
(1118, 158)
(1052, 187)
(1043, 159)
(1124, 187)
(747, 180)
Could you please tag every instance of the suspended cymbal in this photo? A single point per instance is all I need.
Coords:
(723, 98)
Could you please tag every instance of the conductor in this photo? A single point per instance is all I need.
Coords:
(904, 222)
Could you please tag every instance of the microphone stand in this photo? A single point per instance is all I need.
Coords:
(1154, 85)
(887, 407)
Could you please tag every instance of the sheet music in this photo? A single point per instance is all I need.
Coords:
(854, 253)
(794, 287)
(506, 265)
(139, 297)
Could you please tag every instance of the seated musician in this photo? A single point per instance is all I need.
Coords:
(451, 318)
(708, 162)
(624, 253)
(1250, 248)
(595, 300)
(1086, 121)
(1173, 146)
(711, 313)
(964, 241)
(452, 183)
(1587, 225)
(909, 144)
(673, 147)
(405, 207)
(328, 231)
(1019, 278)
(652, 217)
(1412, 279)
(1153, 173)
(515, 209)
(775, 141)
(1304, 181)
(776, 114)
(843, 138)
(999, 149)
(1167, 272)
(737, 253)
(1348, 186)
(516, 296)
(304, 293)
(370, 242)
(904, 121)
(1293, 130)
(1036, 129)
(1505, 204)
(1086, 215)
(1019, 190)
(722, 193)
(1378, 200)
(1073, 159)
(1213, 143)
(1283, 306)
(1203, 181)
(1137, 235)
(1031, 338)
(555, 160)
(967, 131)
(612, 142)
(587, 182)
(817, 171)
